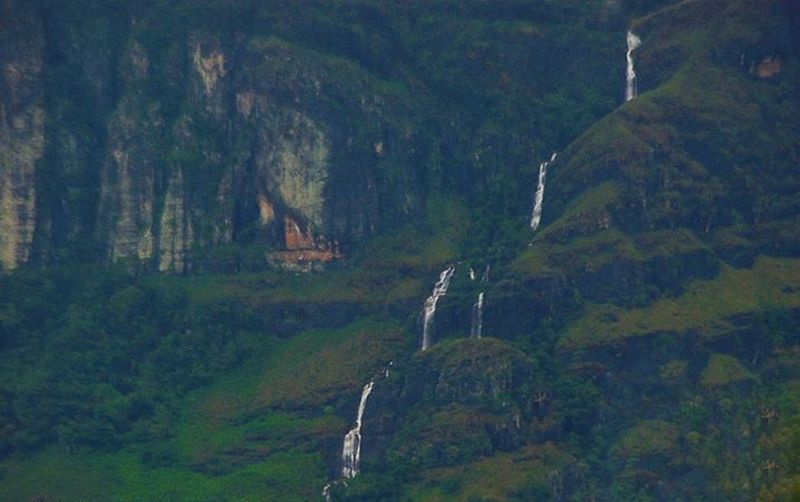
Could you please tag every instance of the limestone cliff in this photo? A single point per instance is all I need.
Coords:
(128, 180)
(22, 117)
(257, 154)
(175, 228)
(119, 145)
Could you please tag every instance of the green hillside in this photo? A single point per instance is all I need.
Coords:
(221, 223)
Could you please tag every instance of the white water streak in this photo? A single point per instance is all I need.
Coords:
(428, 312)
(631, 89)
(351, 450)
(536, 216)
(476, 328)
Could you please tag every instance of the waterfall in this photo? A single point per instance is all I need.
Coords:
(471, 274)
(485, 276)
(351, 450)
(536, 217)
(630, 74)
(477, 318)
(439, 290)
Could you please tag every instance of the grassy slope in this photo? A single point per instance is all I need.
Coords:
(706, 307)
(520, 474)
(234, 440)
(257, 433)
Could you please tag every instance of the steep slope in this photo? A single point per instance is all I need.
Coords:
(641, 344)
(22, 117)
(172, 145)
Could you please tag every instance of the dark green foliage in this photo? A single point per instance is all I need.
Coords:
(103, 355)
(641, 345)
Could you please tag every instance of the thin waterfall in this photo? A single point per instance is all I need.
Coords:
(351, 450)
(536, 217)
(429, 310)
(631, 89)
(477, 318)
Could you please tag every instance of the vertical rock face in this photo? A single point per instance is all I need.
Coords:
(210, 67)
(127, 202)
(22, 116)
(292, 162)
(127, 191)
(294, 237)
(175, 227)
(205, 142)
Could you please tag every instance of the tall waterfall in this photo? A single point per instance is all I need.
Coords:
(630, 88)
(477, 318)
(351, 450)
(536, 217)
(439, 290)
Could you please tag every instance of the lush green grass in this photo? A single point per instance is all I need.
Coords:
(234, 440)
(648, 437)
(394, 267)
(421, 248)
(57, 475)
(641, 188)
(706, 306)
(308, 371)
(334, 286)
(722, 370)
(505, 476)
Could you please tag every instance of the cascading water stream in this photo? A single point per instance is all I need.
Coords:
(428, 312)
(536, 217)
(351, 450)
(477, 318)
(630, 73)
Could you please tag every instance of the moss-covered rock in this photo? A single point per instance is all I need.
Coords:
(455, 402)
(723, 370)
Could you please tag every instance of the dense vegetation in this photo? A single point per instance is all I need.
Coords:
(641, 345)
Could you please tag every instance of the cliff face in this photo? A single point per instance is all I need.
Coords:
(208, 142)
(249, 158)
(22, 117)
(170, 145)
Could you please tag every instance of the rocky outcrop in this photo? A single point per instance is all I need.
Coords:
(767, 68)
(211, 140)
(175, 239)
(260, 153)
(291, 160)
(128, 179)
(210, 69)
(22, 117)
(453, 403)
